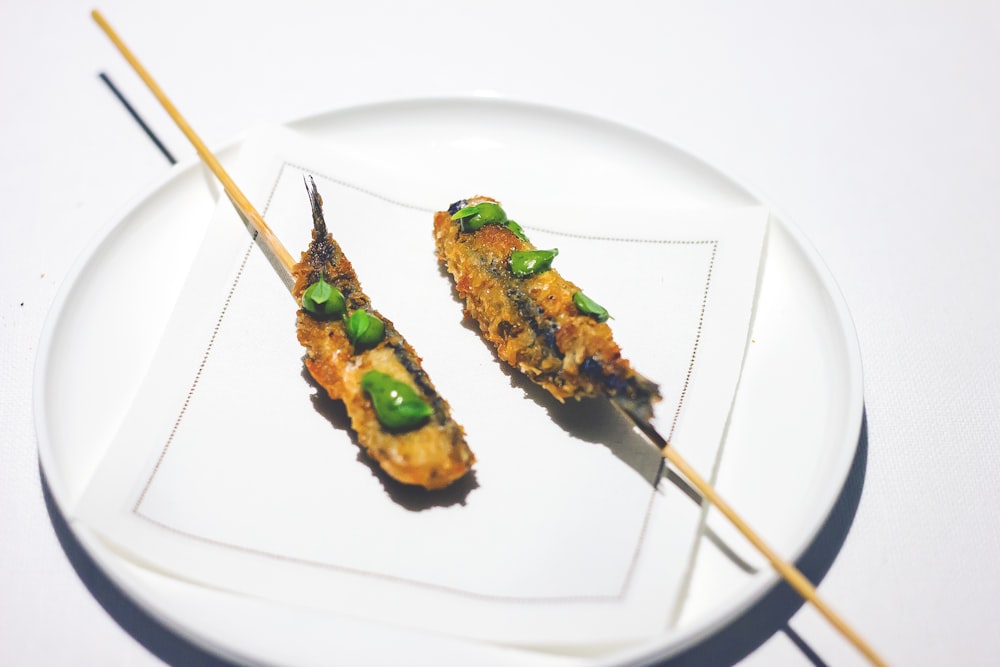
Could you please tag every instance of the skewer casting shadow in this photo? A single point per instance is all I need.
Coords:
(792, 575)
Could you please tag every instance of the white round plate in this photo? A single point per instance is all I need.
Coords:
(793, 433)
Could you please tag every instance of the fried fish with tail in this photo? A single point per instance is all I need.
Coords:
(358, 357)
(537, 320)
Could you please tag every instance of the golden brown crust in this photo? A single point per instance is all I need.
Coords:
(533, 322)
(432, 455)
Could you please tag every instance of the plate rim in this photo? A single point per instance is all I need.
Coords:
(667, 644)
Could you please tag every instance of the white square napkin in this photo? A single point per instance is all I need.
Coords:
(233, 470)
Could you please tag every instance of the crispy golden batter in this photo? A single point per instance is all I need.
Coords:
(532, 321)
(433, 455)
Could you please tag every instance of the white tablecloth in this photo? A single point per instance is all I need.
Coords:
(873, 127)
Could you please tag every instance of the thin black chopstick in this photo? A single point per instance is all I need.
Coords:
(138, 119)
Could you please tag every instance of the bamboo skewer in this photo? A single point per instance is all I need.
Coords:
(233, 191)
(786, 570)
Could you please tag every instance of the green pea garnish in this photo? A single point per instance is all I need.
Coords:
(530, 262)
(397, 405)
(364, 329)
(473, 217)
(485, 213)
(323, 299)
(590, 307)
(517, 230)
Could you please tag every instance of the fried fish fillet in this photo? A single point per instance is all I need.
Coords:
(433, 453)
(540, 323)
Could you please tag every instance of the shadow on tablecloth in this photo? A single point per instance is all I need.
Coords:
(770, 615)
(157, 639)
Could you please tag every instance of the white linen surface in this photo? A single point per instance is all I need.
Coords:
(234, 470)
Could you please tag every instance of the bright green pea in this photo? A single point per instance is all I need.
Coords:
(590, 307)
(517, 230)
(323, 299)
(484, 213)
(530, 262)
(473, 217)
(397, 405)
(364, 329)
